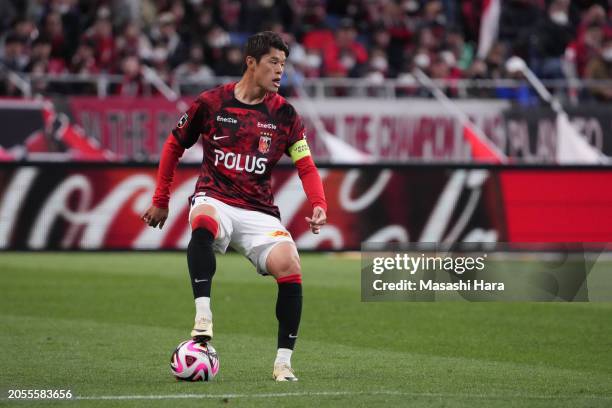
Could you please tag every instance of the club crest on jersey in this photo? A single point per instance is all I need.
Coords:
(264, 144)
(182, 121)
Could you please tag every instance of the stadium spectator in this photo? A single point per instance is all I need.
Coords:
(433, 17)
(471, 12)
(585, 47)
(232, 62)
(517, 19)
(312, 63)
(378, 62)
(549, 40)
(133, 42)
(599, 67)
(588, 40)
(401, 21)
(132, 83)
(27, 30)
(558, 38)
(194, 69)
(165, 36)
(443, 67)
(177, 9)
(53, 29)
(14, 56)
(8, 12)
(421, 59)
(100, 36)
(254, 13)
(496, 59)
(229, 14)
(393, 50)
(462, 51)
(345, 56)
(216, 40)
(203, 23)
(84, 60)
(40, 56)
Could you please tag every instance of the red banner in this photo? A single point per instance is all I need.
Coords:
(558, 206)
(98, 207)
(129, 127)
(387, 130)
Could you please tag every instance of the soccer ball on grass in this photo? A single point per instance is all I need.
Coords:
(193, 361)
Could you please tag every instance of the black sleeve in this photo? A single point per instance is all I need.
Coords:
(189, 127)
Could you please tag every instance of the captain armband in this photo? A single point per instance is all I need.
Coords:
(299, 150)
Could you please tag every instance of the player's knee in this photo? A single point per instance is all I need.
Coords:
(294, 267)
(283, 261)
(289, 267)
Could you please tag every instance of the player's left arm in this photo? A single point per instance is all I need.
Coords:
(311, 182)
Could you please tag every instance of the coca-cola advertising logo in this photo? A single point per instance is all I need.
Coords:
(99, 207)
(72, 206)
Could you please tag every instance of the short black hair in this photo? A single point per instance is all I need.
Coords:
(259, 44)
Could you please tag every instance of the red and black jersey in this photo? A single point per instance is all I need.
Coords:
(241, 144)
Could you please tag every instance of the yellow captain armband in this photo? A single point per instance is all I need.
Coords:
(299, 150)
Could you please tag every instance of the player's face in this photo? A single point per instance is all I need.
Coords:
(269, 70)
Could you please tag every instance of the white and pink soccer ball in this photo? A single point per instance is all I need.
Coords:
(193, 361)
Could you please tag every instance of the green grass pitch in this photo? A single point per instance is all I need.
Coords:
(104, 326)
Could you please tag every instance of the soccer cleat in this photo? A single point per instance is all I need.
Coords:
(283, 372)
(202, 330)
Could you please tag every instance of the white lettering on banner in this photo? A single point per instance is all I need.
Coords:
(57, 206)
(329, 233)
(85, 223)
(519, 141)
(404, 130)
(73, 228)
(97, 220)
(152, 237)
(355, 205)
(441, 214)
(591, 129)
(439, 219)
(12, 200)
(475, 181)
(233, 161)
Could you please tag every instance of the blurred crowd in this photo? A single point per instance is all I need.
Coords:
(196, 40)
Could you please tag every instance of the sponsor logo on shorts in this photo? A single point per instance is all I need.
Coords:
(279, 233)
(266, 125)
(240, 162)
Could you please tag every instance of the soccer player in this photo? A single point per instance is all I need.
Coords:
(245, 129)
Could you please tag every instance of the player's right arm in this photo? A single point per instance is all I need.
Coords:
(183, 136)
